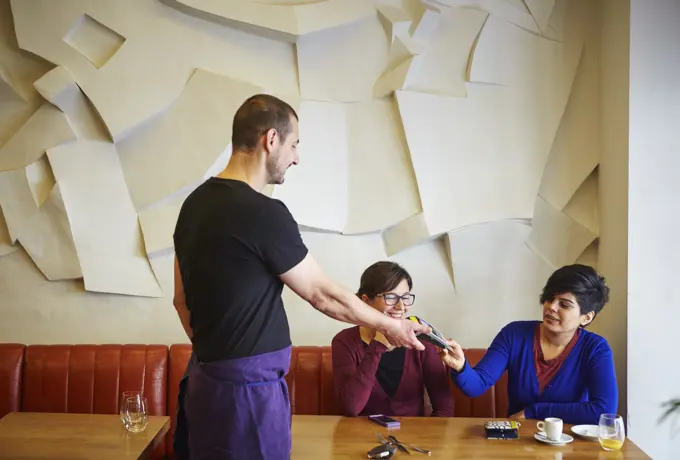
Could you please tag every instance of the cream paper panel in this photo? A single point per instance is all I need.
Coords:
(59, 87)
(47, 127)
(382, 186)
(315, 191)
(497, 273)
(556, 237)
(158, 227)
(395, 19)
(280, 20)
(35, 311)
(174, 151)
(40, 179)
(162, 48)
(355, 158)
(541, 10)
(18, 71)
(16, 200)
(591, 255)
(583, 205)
(344, 63)
(103, 219)
(576, 150)
(540, 70)
(158, 220)
(47, 238)
(476, 159)
(514, 11)
(443, 66)
(6, 246)
(408, 232)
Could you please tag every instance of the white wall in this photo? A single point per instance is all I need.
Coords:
(463, 143)
(654, 224)
(613, 171)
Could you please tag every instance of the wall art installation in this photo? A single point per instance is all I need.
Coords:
(458, 137)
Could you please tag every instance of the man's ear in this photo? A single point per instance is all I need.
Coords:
(270, 139)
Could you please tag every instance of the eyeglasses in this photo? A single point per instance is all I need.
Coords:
(392, 299)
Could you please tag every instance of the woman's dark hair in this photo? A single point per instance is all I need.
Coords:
(381, 277)
(589, 288)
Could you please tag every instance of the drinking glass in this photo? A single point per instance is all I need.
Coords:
(126, 395)
(135, 414)
(612, 432)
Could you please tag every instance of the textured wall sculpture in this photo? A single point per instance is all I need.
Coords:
(460, 138)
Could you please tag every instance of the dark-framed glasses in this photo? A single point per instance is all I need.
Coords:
(392, 299)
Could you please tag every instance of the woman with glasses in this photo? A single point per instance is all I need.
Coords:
(371, 376)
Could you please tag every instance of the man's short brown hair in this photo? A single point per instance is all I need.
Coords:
(256, 116)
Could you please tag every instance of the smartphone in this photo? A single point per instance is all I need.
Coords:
(384, 420)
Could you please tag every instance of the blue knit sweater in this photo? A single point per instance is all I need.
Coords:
(583, 388)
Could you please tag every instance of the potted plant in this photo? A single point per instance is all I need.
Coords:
(671, 406)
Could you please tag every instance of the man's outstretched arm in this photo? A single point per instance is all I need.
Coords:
(308, 281)
(180, 302)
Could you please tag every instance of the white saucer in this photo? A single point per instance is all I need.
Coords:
(540, 436)
(589, 432)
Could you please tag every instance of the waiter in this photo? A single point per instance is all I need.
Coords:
(235, 249)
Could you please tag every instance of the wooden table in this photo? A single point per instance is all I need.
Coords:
(25, 435)
(327, 437)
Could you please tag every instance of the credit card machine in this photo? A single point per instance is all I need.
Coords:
(435, 337)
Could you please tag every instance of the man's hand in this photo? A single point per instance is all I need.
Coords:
(402, 333)
(519, 416)
(380, 337)
(454, 359)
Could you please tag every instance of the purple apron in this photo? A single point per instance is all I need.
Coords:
(235, 409)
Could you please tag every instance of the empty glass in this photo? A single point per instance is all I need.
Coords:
(125, 395)
(612, 432)
(135, 414)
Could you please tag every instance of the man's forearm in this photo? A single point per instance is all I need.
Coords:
(339, 303)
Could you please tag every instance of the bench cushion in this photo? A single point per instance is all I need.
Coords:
(11, 363)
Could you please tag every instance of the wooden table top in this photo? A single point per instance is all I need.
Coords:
(25, 435)
(329, 437)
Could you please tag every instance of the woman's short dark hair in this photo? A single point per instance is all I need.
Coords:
(381, 277)
(256, 116)
(589, 288)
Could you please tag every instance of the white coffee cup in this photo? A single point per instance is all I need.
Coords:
(552, 427)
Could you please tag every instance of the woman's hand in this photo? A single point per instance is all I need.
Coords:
(454, 359)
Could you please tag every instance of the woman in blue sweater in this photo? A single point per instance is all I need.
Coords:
(555, 367)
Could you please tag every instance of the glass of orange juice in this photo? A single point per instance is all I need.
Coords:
(612, 432)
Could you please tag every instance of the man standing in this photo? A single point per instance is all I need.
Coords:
(235, 249)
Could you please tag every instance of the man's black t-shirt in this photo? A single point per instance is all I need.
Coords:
(231, 243)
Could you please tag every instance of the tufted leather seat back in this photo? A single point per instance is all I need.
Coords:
(492, 404)
(11, 363)
(310, 382)
(91, 378)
